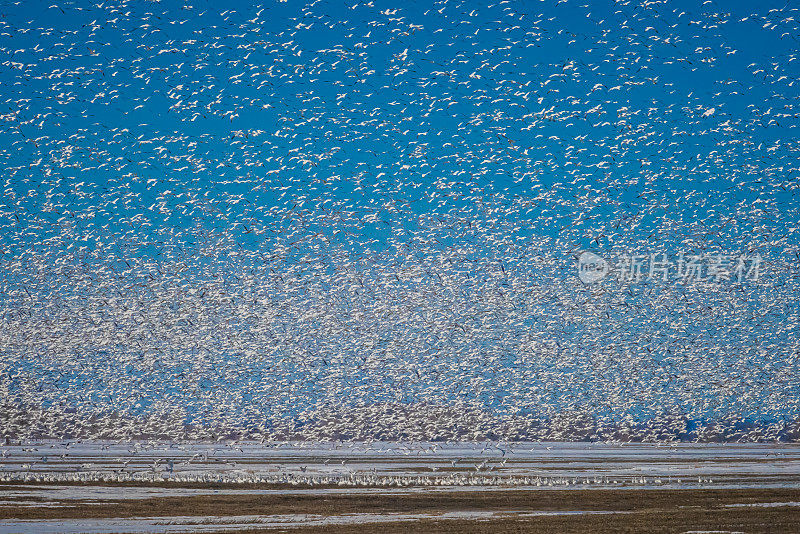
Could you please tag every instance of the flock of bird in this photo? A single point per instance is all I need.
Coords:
(360, 220)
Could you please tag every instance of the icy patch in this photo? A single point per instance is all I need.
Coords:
(762, 505)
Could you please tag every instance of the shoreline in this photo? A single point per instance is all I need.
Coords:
(499, 510)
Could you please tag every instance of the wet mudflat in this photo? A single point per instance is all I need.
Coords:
(384, 510)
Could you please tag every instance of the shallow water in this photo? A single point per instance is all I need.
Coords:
(247, 522)
(396, 465)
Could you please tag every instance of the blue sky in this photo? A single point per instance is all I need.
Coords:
(287, 207)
